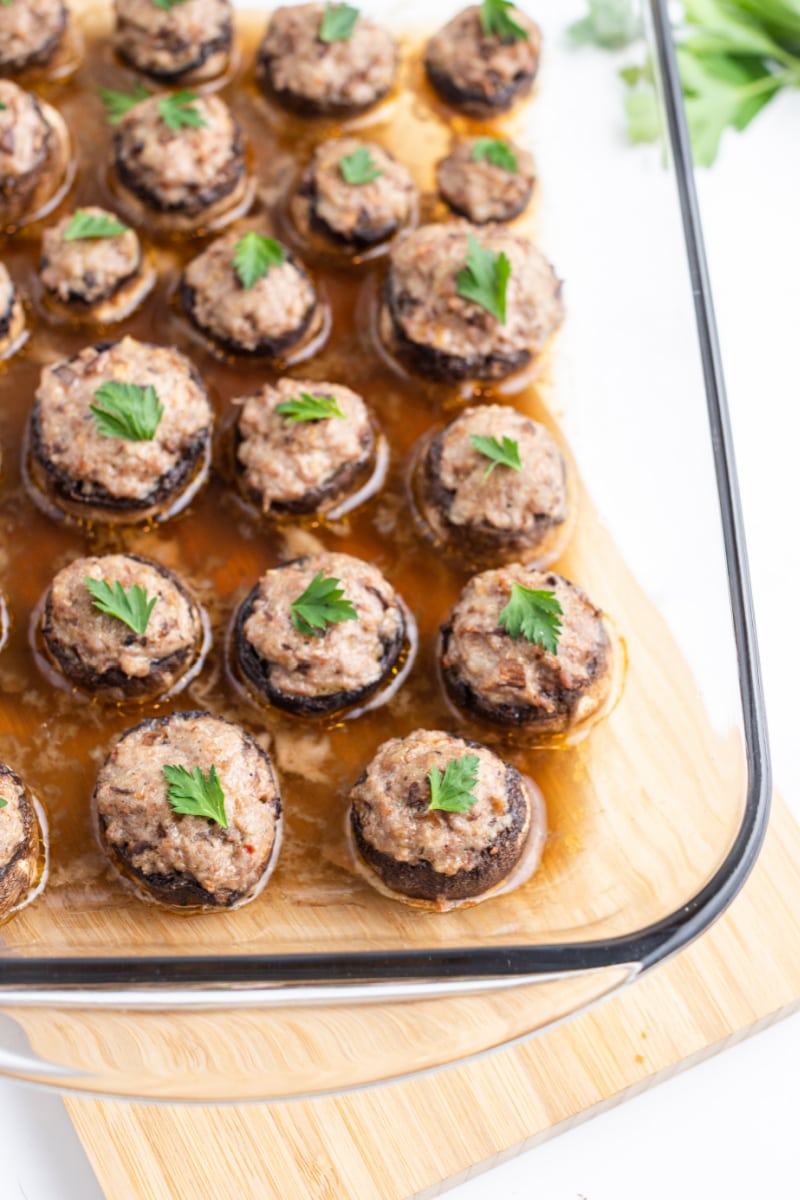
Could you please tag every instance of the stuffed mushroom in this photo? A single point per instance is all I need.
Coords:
(443, 318)
(120, 627)
(499, 669)
(92, 267)
(188, 810)
(19, 841)
(302, 446)
(326, 59)
(120, 432)
(33, 34)
(267, 311)
(486, 179)
(492, 485)
(179, 161)
(12, 315)
(485, 59)
(353, 195)
(438, 818)
(319, 634)
(35, 152)
(184, 43)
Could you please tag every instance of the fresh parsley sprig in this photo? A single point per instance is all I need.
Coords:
(180, 111)
(3, 107)
(495, 151)
(168, 5)
(359, 167)
(309, 408)
(3, 802)
(193, 794)
(502, 454)
(93, 225)
(322, 604)
(497, 20)
(133, 607)
(125, 410)
(533, 614)
(117, 104)
(254, 256)
(454, 791)
(338, 22)
(484, 279)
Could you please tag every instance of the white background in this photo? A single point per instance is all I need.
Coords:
(728, 1128)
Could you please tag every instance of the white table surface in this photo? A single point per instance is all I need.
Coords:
(729, 1127)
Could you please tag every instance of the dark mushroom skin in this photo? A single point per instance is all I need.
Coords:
(94, 279)
(103, 657)
(314, 78)
(478, 73)
(433, 855)
(268, 320)
(183, 861)
(480, 190)
(445, 336)
(35, 151)
(19, 841)
(31, 34)
(97, 478)
(363, 651)
(355, 216)
(187, 43)
(12, 314)
(288, 467)
(179, 180)
(515, 683)
(508, 514)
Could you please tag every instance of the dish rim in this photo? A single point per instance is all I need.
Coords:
(336, 977)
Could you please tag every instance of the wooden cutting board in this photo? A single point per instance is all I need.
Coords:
(417, 1138)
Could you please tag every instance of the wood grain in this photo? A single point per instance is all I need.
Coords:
(408, 1139)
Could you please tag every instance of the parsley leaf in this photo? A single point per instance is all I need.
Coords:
(133, 607)
(533, 615)
(117, 104)
(3, 107)
(93, 225)
(194, 794)
(452, 792)
(338, 22)
(254, 255)
(496, 19)
(359, 167)
(612, 24)
(309, 408)
(485, 279)
(320, 605)
(125, 410)
(498, 153)
(168, 5)
(3, 802)
(178, 111)
(502, 454)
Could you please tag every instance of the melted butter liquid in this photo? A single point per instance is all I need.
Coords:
(57, 739)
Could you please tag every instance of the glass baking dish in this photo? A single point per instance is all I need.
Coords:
(655, 820)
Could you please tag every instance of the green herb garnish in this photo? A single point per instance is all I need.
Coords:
(3, 106)
(533, 615)
(502, 454)
(338, 22)
(117, 104)
(193, 794)
(485, 278)
(309, 408)
(496, 19)
(125, 410)
(3, 802)
(359, 167)
(321, 604)
(91, 225)
(168, 5)
(132, 607)
(497, 152)
(253, 257)
(179, 111)
(612, 24)
(452, 792)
